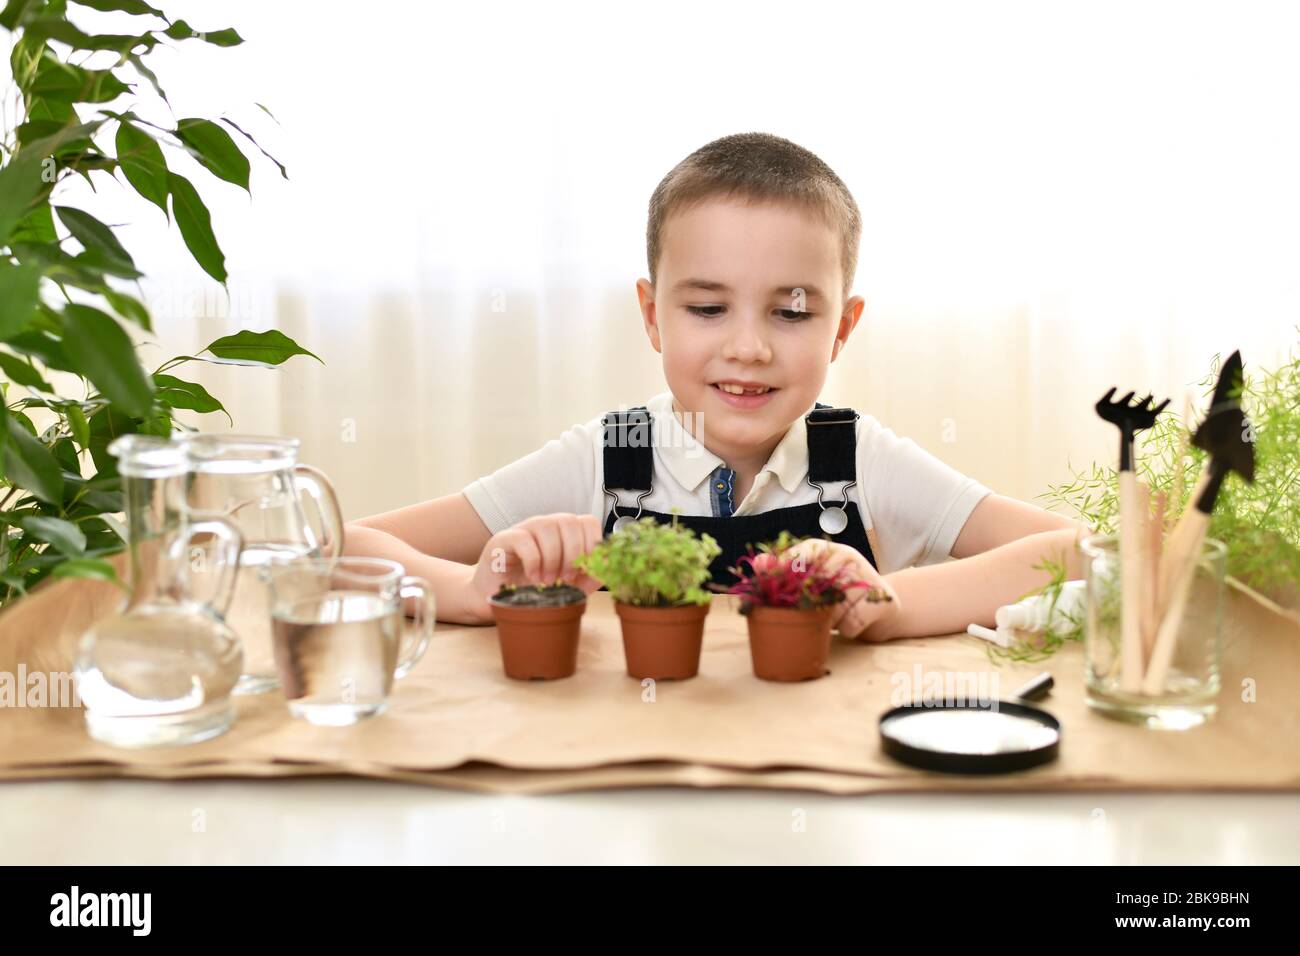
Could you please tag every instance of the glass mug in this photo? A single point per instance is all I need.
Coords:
(340, 634)
(283, 510)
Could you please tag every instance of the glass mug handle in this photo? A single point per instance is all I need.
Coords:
(415, 636)
(231, 547)
(321, 492)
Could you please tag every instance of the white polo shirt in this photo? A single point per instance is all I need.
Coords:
(913, 505)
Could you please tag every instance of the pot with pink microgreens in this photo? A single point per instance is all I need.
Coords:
(789, 600)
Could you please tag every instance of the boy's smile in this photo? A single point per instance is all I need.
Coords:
(748, 312)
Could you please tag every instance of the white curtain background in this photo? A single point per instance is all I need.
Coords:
(1057, 198)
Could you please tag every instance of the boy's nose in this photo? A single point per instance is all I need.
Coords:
(747, 341)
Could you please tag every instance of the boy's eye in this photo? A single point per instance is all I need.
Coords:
(713, 311)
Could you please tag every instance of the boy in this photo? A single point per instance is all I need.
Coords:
(752, 249)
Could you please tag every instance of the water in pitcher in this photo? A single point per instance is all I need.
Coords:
(337, 653)
(160, 676)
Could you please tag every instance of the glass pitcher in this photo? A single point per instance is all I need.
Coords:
(256, 483)
(161, 670)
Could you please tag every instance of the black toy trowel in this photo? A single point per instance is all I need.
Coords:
(1226, 435)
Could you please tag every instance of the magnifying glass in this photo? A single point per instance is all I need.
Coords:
(977, 736)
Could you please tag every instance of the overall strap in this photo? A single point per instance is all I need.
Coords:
(832, 444)
(629, 449)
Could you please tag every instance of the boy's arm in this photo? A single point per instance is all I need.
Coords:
(999, 520)
(446, 527)
(944, 598)
(439, 540)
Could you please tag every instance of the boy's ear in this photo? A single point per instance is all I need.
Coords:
(645, 295)
(848, 322)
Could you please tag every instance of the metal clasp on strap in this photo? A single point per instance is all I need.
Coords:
(834, 518)
(622, 521)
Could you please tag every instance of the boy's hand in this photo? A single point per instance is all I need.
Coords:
(539, 550)
(855, 616)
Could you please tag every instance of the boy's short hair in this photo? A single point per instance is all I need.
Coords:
(757, 167)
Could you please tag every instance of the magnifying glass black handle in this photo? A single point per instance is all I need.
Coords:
(1036, 689)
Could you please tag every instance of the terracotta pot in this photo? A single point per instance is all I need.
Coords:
(789, 644)
(662, 642)
(539, 642)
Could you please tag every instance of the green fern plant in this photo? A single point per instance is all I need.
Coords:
(1260, 521)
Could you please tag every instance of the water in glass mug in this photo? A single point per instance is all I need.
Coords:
(250, 612)
(337, 654)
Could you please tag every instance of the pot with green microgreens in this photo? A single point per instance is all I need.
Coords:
(655, 573)
(539, 627)
(788, 599)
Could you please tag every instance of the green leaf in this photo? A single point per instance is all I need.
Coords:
(180, 30)
(66, 537)
(138, 62)
(61, 110)
(142, 162)
(45, 347)
(178, 393)
(24, 59)
(105, 425)
(86, 568)
(21, 179)
(271, 347)
(19, 292)
(249, 136)
(215, 149)
(23, 374)
(97, 238)
(104, 354)
(130, 308)
(195, 223)
(28, 175)
(36, 226)
(77, 424)
(137, 7)
(14, 12)
(57, 28)
(29, 464)
(33, 130)
(57, 80)
(65, 453)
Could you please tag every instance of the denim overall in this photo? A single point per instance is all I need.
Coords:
(832, 442)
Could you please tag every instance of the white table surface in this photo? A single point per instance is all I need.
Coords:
(342, 820)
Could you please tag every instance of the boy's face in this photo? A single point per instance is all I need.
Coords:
(727, 308)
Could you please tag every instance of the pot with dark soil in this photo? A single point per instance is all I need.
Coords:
(539, 627)
(654, 572)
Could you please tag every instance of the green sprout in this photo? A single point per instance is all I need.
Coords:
(649, 564)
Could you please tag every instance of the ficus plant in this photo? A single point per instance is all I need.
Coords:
(651, 564)
(71, 309)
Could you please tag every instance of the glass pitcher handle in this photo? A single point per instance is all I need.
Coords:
(415, 636)
(231, 543)
(321, 492)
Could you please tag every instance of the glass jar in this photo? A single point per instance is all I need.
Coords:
(1187, 693)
